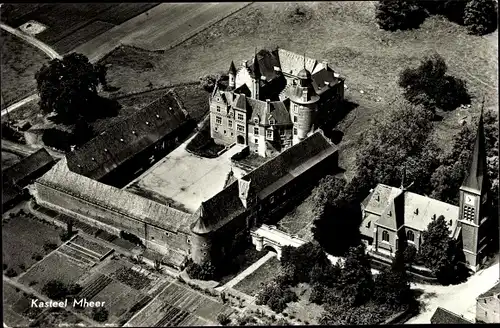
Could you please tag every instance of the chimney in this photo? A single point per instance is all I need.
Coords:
(268, 104)
(244, 63)
(263, 78)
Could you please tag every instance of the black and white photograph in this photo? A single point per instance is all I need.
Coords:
(283, 163)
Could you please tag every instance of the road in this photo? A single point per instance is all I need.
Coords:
(36, 43)
(460, 299)
(44, 298)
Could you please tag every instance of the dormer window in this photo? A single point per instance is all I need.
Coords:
(157, 116)
(416, 211)
(272, 121)
(134, 133)
(105, 150)
(93, 159)
(147, 123)
(78, 165)
(121, 139)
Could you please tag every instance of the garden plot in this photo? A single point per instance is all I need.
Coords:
(178, 305)
(12, 296)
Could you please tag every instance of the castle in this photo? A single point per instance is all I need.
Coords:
(394, 217)
(274, 101)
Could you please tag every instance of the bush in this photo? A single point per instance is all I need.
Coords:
(409, 254)
(480, 16)
(55, 290)
(131, 238)
(100, 314)
(22, 267)
(5, 266)
(37, 257)
(11, 273)
(399, 15)
(223, 319)
(33, 283)
(205, 271)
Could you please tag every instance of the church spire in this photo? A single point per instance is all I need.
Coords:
(477, 170)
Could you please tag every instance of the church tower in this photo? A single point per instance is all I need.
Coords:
(232, 75)
(303, 106)
(256, 79)
(473, 203)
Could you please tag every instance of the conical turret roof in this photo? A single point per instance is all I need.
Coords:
(232, 68)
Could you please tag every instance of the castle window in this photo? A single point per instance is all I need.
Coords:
(256, 120)
(272, 121)
(216, 129)
(230, 123)
(282, 132)
(269, 134)
(368, 224)
(240, 117)
(218, 108)
(224, 131)
(295, 119)
(232, 134)
(218, 120)
(410, 236)
(166, 233)
(240, 128)
(256, 131)
(152, 238)
(294, 131)
(385, 236)
(256, 141)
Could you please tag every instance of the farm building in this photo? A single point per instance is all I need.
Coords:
(134, 143)
(394, 217)
(274, 102)
(443, 316)
(243, 204)
(19, 175)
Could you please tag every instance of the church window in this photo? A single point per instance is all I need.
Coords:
(368, 224)
(240, 117)
(218, 108)
(218, 120)
(241, 128)
(256, 131)
(295, 131)
(269, 134)
(230, 123)
(410, 236)
(295, 119)
(385, 236)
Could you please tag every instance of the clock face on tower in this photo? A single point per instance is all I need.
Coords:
(469, 200)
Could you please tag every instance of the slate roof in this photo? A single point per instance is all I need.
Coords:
(120, 201)
(266, 62)
(475, 174)
(27, 166)
(292, 63)
(368, 231)
(259, 108)
(494, 291)
(379, 198)
(443, 316)
(128, 137)
(294, 161)
(232, 68)
(413, 210)
(322, 76)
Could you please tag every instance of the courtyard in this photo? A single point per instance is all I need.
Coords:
(183, 180)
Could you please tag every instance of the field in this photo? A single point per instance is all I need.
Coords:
(70, 25)
(54, 267)
(20, 62)
(345, 34)
(9, 159)
(186, 185)
(251, 285)
(179, 306)
(24, 237)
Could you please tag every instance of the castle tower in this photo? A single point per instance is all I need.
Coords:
(473, 203)
(232, 75)
(201, 239)
(304, 106)
(256, 79)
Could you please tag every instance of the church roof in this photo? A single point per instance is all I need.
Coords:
(292, 63)
(475, 174)
(128, 137)
(232, 68)
(227, 205)
(380, 198)
(120, 201)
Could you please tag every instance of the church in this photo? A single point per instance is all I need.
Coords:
(273, 102)
(395, 217)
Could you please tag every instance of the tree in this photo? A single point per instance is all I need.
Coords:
(275, 296)
(428, 85)
(223, 319)
(303, 258)
(451, 9)
(399, 15)
(409, 254)
(480, 16)
(55, 290)
(343, 314)
(68, 87)
(100, 314)
(355, 282)
(328, 190)
(392, 286)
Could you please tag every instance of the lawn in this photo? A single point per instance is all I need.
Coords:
(345, 34)
(252, 284)
(20, 62)
(24, 237)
